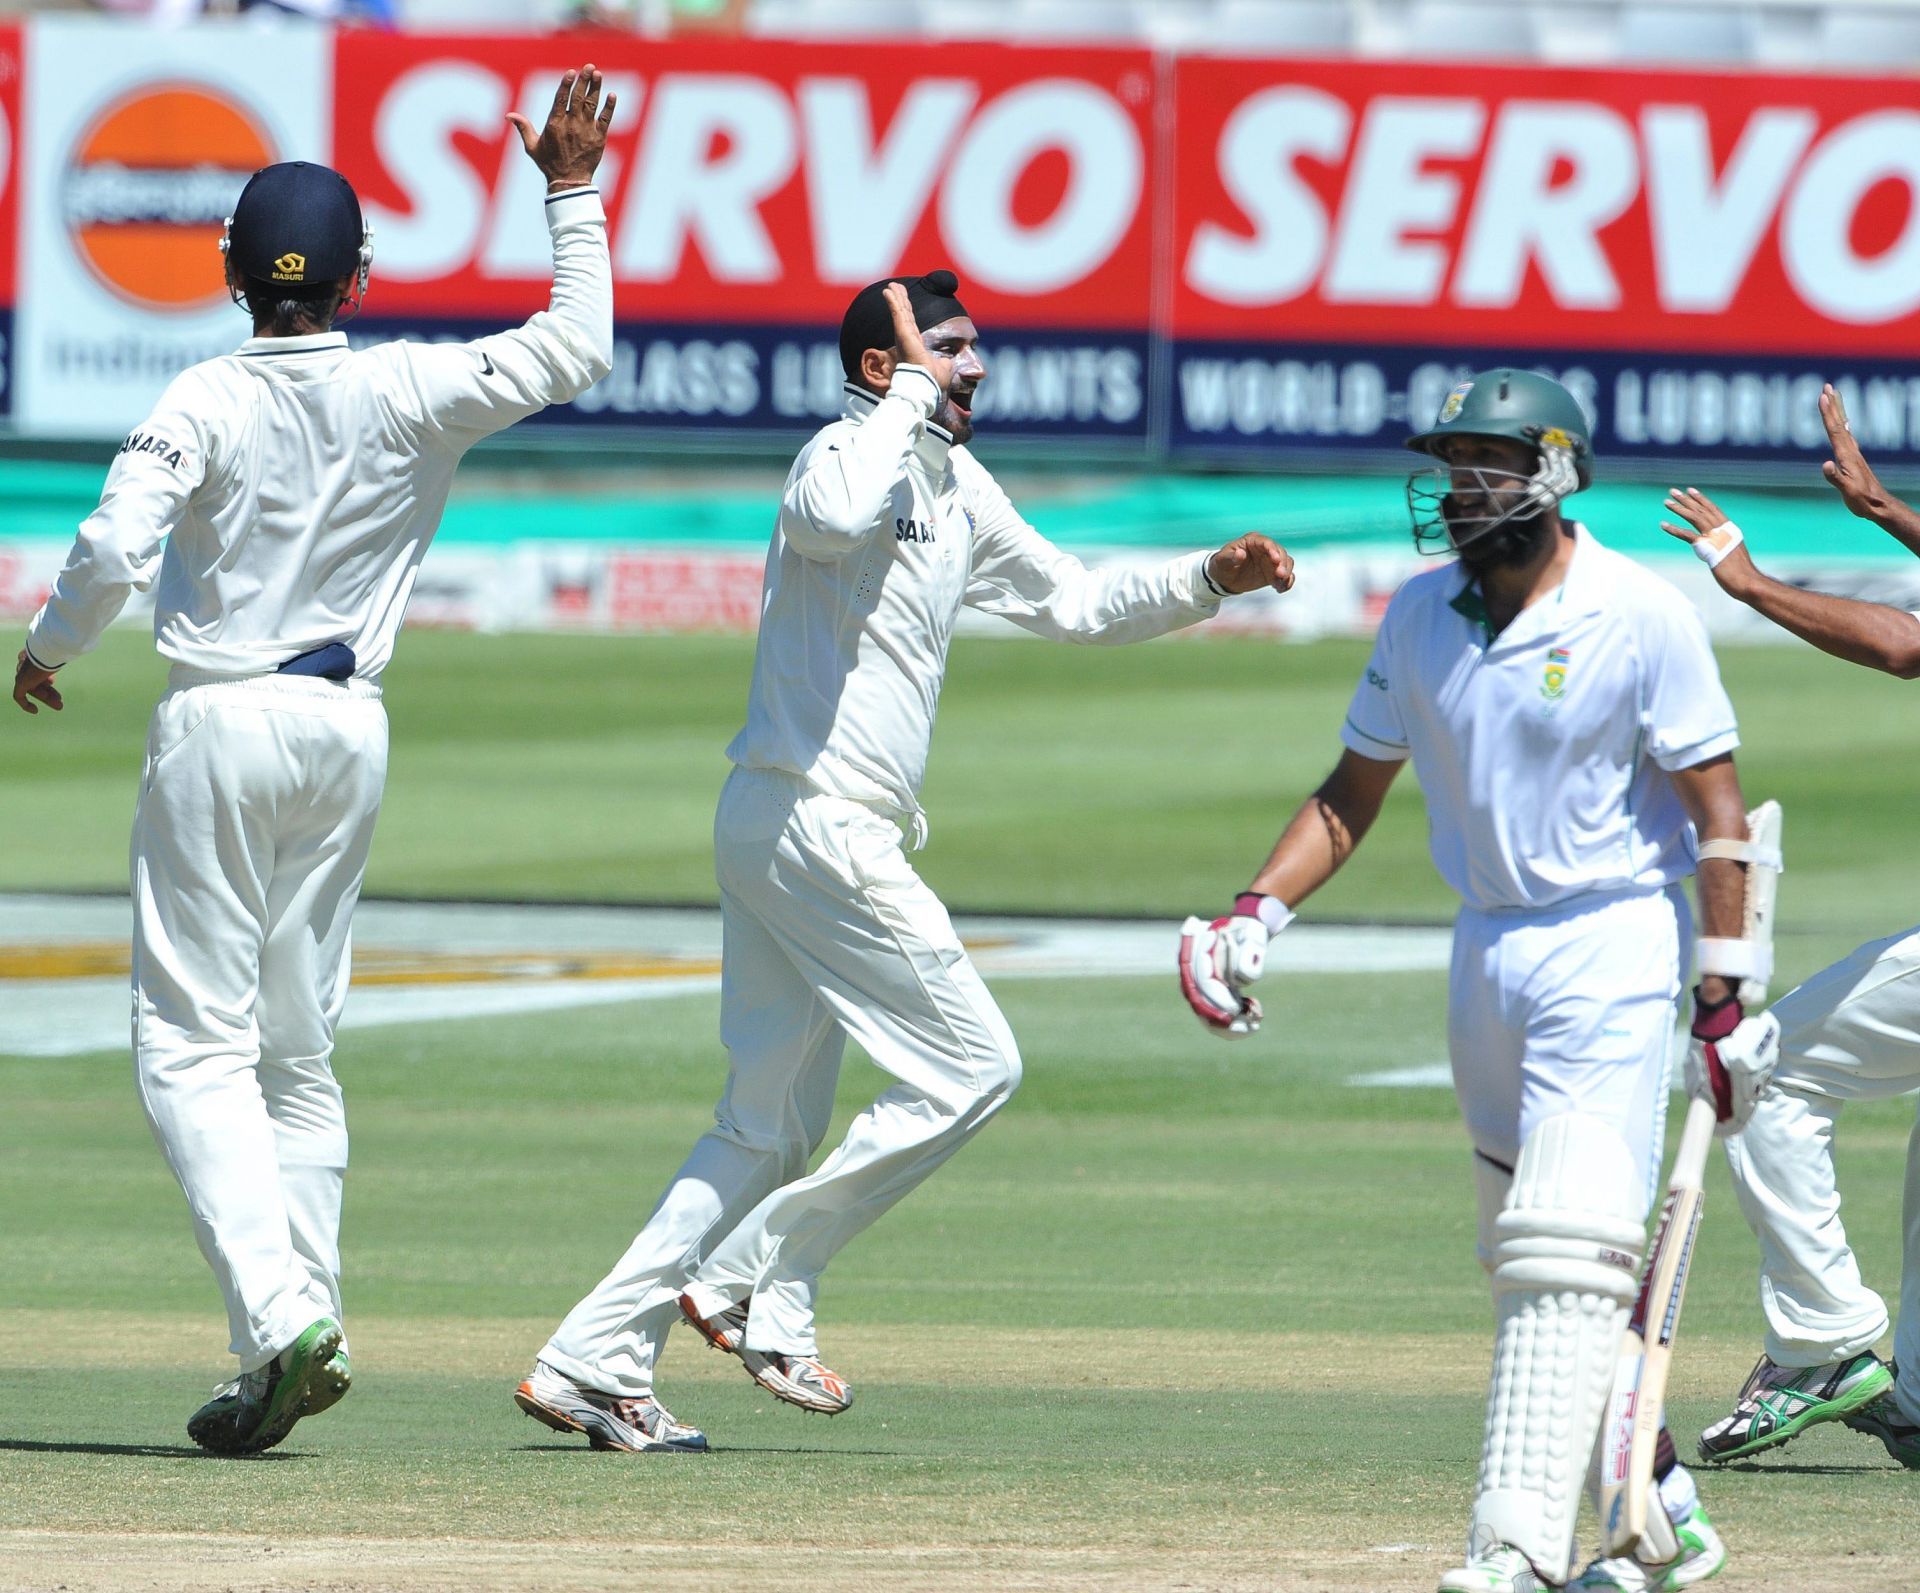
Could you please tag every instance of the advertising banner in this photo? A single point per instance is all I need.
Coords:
(136, 143)
(12, 74)
(1186, 258)
(1692, 253)
(753, 188)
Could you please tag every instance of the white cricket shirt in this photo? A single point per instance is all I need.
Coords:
(1543, 752)
(296, 483)
(885, 529)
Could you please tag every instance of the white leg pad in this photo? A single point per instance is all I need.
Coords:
(1566, 1269)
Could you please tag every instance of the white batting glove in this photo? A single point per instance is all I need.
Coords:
(1730, 1058)
(1219, 960)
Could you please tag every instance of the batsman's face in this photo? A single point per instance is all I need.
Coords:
(954, 347)
(1489, 476)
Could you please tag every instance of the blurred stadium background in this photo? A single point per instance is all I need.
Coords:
(1223, 252)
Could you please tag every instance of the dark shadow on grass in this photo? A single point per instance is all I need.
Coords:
(34, 1446)
(715, 1449)
(1788, 1469)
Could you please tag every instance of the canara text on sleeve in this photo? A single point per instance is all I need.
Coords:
(1543, 753)
(296, 483)
(885, 529)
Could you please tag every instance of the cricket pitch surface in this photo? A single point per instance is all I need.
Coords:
(1187, 1316)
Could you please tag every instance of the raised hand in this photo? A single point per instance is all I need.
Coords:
(906, 336)
(568, 149)
(1716, 541)
(1251, 562)
(1848, 471)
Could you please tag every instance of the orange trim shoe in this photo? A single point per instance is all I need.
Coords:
(634, 1426)
(800, 1380)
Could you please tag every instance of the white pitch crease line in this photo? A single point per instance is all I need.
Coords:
(87, 1015)
(1431, 1076)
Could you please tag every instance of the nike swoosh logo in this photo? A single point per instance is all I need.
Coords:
(486, 365)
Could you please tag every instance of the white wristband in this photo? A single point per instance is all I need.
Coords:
(1733, 959)
(1710, 547)
(1275, 914)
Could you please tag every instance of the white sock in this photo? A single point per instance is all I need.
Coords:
(1679, 1494)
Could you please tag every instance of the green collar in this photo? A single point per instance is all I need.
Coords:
(1468, 603)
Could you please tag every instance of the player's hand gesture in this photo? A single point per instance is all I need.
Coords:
(568, 149)
(1716, 541)
(31, 681)
(906, 337)
(1250, 563)
(1848, 471)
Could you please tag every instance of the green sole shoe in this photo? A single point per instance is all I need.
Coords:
(258, 1409)
(330, 1385)
(1778, 1405)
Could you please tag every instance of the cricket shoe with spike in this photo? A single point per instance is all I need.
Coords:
(258, 1409)
(798, 1379)
(1884, 1420)
(1778, 1403)
(634, 1426)
(1701, 1555)
(1504, 1570)
(330, 1383)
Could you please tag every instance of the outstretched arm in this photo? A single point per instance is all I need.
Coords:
(1870, 634)
(473, 389)
(1021, 576)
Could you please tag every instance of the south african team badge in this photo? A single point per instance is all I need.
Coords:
(1553, 684)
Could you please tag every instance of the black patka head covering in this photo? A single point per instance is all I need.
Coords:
(868, 322)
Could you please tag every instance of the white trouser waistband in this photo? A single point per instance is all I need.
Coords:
(182, 676)
(794, 787)
(1570, 907)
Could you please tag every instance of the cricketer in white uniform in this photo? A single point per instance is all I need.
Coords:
(1849, 1033)
(295, 485)
(1565, 717)
(888, 525)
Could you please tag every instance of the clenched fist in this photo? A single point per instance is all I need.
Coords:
(1249, 563)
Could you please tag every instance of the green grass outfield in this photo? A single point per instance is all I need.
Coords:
(1076, 780)
(1187, 1315)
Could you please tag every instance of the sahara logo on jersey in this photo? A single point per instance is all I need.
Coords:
(146, 443)
(1553, 684)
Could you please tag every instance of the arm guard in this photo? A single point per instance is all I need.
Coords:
(1750, 958)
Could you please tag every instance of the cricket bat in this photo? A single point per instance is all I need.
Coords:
(1646, 1349)
(1632, 1431)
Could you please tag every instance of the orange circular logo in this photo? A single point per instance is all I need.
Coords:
(149, 186)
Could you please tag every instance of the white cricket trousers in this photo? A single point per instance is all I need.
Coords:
(249, 842)
(1565, 1009)
(1850, 1033)
(827, 932)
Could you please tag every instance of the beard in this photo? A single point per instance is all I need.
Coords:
(1507, 546)
(950, 417)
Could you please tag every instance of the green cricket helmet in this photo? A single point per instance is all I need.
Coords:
(1523, 407)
